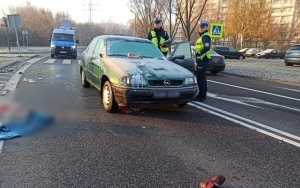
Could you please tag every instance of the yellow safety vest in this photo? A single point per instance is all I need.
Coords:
(154, 40)
(199, 46)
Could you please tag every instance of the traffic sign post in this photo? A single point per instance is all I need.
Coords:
(5, 20)
(216, 30)
(14, 21)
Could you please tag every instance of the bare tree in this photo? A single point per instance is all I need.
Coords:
(189, 15)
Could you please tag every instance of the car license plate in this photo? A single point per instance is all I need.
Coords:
(166, 94)
(62, 52)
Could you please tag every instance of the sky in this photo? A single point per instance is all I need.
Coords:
(103, 10)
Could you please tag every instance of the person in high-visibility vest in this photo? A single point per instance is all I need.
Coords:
(158, 36)
(202, 52)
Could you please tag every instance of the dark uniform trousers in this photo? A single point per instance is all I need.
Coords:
(201, 77)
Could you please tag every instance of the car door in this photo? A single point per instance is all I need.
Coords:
(280, 54)
(182, 55)
(96, 64)
(225, 52)
(87, 59)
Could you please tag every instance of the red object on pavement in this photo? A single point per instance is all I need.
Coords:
(213, 182)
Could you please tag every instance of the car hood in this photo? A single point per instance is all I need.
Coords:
(148, 68)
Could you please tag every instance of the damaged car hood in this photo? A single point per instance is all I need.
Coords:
(149, 68)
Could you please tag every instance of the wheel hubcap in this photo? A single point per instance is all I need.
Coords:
(82, 77)
(105, 96)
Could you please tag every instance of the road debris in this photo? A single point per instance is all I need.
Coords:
(213, 182)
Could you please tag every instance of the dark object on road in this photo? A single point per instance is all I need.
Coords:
(292, 56)
(131, 71)
(213, 182)
(34, 121)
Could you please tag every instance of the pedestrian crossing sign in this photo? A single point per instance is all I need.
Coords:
(216, 30)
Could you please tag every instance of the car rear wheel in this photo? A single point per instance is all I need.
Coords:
(240, 57)
(180, 105)
(108, 98)
(214, 72)
(288, 64)
(84, 82)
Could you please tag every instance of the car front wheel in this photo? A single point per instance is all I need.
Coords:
(240, 57)
(108, 98)
(214, 72)
(84, 82)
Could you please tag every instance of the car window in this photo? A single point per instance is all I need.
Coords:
(232, 49)
(295, 48)
(183, 49)
(122, 47)
(222, 48)
(99, 46)
(91, 47)
(63, 37)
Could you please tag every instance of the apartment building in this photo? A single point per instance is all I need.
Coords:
(283, 11)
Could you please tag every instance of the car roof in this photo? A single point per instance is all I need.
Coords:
(124, 37)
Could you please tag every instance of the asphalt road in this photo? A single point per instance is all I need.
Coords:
(247, 130)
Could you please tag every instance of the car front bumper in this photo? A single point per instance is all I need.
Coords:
(294, 60)
(150, 96)
(68, 51)
(216, 66)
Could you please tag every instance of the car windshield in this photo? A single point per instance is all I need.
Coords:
(267, 51)
(295, 48)
(63, 37)
(123, 47)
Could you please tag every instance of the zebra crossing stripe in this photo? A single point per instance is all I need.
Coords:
(66, 61)
(50, 61)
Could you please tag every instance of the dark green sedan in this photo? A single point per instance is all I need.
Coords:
(130, 71)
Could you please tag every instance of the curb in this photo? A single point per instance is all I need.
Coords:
(12, 62)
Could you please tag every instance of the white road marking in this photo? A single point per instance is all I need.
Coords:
(225, 115)
(66, 61)
(246, 100)
(291, 98)
(4, 77)
(50, 61)
(1, 145)
(296, 90)
(13, 82)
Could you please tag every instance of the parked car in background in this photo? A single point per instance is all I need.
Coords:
(131, 71)
(271, 53)
(228, 52)
(216, 63)
(244, 50)
(252, 51)
(292, 56)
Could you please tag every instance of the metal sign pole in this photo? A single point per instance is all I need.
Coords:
(17, 35)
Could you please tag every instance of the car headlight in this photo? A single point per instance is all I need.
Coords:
(52, 45)
(73, 47)
(190, 81)
(133, 80)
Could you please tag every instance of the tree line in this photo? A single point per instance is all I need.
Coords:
(246, 23)
(40, 23)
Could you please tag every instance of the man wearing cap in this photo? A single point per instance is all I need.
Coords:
(158, 36)
(203, 48)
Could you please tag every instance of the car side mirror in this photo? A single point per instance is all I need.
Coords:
(173, 58)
